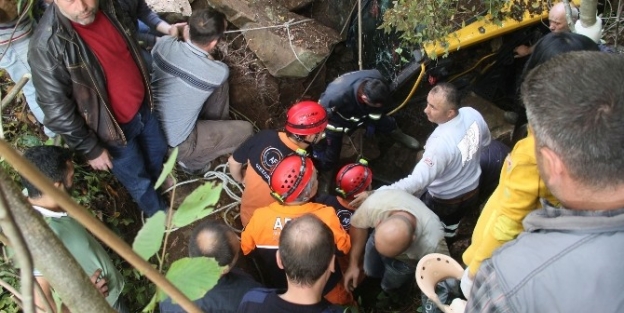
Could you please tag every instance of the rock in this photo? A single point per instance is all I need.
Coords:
(182, 7)
(493, 116)
(334, 14)
(292, 51)
(294, 5)
(254, 93)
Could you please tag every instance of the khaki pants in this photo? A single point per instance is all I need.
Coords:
(214, 134)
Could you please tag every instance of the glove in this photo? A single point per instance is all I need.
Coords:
(466, 283)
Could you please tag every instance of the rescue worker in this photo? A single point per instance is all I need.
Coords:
(293, 184)
(352, 179)
(305, 124)
(354, 100)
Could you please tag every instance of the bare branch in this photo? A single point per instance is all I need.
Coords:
(94, 226)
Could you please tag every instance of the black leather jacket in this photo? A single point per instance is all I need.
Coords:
(70, 83)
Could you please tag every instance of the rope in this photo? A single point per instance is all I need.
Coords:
(290, 38)
(327, 57)
(228, 183)
(267, 27)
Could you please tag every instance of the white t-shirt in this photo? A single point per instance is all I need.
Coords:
(450, 164)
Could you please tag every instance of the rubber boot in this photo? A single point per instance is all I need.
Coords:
(407, 140)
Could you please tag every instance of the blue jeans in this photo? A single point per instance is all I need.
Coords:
(138, 164)
(395, 275)
(16, 64)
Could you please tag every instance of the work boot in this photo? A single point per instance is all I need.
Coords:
(406, 140)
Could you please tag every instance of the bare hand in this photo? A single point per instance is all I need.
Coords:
(359, 199)
(100, 283)
(352, 277)
(522, 51)
(176, 30)
(102, 162)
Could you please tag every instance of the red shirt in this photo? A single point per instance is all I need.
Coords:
(124, 82)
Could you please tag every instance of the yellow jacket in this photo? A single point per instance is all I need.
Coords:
(517, 194)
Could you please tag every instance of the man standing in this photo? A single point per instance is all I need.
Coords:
(405, 231)
(354, 100)
(94, 89)
(308, 262)
(570, 250)
(56, 164)
(191, 94)
(218, 241)
(450, 167)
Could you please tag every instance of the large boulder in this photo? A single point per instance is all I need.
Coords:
(170, 7)
(334, 14)
(292, 49)
(294, 5)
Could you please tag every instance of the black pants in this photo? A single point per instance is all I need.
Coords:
(452, 211)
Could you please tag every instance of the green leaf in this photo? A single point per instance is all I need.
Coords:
(199, 204)
(150, 237)
(167, 168)
(193, 276)
(151, 306)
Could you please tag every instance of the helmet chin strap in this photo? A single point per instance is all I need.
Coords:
(313, 140)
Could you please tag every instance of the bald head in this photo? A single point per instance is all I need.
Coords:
(214, 240)
(394, 235)
(557, 18)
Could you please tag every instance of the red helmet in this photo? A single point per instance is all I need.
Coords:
(290, 176)
(306, 118)
(353, 178)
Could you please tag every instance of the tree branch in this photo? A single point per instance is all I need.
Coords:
(94, 226)
(7, 223)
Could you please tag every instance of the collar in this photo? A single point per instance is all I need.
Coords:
(195, 49)
(48, 213)
(562, 219)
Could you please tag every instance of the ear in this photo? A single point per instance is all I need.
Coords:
(212, 44)
(552, 165)
(332, 264)
(278, 258)
(451, 113)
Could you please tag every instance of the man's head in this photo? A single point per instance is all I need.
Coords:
(554, 44)
(304, 257)
(78, 11)
(575, 106)
(557, 18)
(442, 103)
(215, 240)
(206, 28)
(55, 163)
(394, 235)
(294, 179)
(375, 93)
(306, 122)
